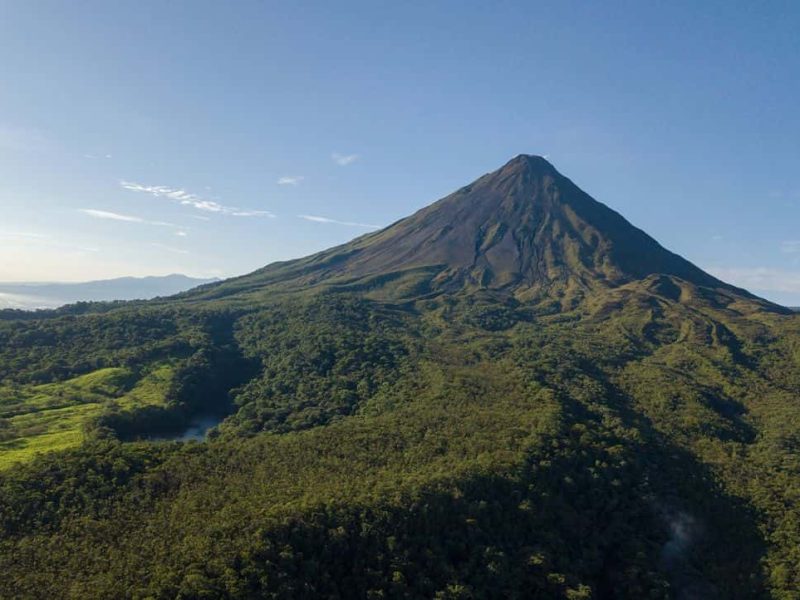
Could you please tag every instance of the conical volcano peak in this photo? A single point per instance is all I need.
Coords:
(528, 164)
(519, 175)
(523, 228)
(525, 176)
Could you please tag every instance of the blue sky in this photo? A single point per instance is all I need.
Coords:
(149, 137)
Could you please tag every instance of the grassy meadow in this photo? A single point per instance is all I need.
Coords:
(53, 416)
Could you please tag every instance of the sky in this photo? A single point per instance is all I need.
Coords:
(148, 137)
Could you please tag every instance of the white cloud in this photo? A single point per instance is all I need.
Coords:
(760, 278)
(178, 195)
(188, 199)
(290, 180)
(112, 216)
(344, 159)
(181, 233)
(252, 213)
(318, 219)
(104, 214)
(790, 246)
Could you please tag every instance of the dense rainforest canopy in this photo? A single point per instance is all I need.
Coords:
(513, 393)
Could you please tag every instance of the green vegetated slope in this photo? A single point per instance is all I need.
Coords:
(540, 415)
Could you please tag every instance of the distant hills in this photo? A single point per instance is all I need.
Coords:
(30, 296)
(512, 393)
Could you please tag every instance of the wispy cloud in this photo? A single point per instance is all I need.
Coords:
(760, 278)
(318, 219)
(291, 180)
(169, 248)
(181, 233)
(252, 213)
(790, 246)
(188, 199)
(175, 194)
(344, 159)
(112, 216)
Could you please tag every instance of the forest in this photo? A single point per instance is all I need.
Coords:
(467, 446)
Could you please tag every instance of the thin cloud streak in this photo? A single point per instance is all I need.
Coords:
(318, 219)
(344, 159)
(112, 216)
(293, 180)
(253, 213)
(193, 200)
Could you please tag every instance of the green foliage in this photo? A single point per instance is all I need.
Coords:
(461, 446)
(53, 416)
(321, 359)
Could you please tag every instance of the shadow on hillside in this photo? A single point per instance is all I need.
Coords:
(713, 547)
(590, 514)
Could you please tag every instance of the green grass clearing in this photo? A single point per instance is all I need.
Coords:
(49, 417)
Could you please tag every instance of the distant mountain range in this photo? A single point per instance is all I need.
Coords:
(31, 296)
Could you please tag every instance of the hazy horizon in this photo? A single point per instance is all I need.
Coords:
(33, 295)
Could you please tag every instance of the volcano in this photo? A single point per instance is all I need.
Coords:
(524, 230)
